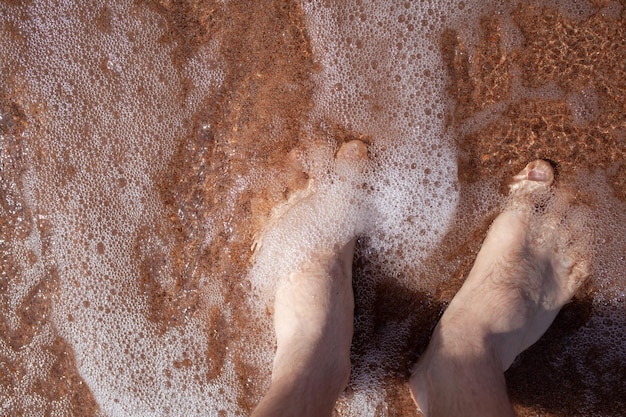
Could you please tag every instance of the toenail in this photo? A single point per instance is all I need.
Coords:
(536, 175)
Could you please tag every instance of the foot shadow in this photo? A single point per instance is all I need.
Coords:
(577, 368)
(393, 325)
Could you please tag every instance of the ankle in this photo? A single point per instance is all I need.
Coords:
(306, 391)
(324, 372)
(471, 385)
(460, 374)
(464, 332)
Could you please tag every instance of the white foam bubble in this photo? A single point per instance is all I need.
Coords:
(381, 77)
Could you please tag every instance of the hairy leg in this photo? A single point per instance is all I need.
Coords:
(528, 267)
(313, 311)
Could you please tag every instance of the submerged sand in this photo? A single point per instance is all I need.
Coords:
(125, 235)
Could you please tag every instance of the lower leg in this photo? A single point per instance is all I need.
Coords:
(314, 311)
(460, 375)
(462, 385)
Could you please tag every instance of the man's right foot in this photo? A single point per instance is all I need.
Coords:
(528, 267)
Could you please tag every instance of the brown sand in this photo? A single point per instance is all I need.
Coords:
(266, 47)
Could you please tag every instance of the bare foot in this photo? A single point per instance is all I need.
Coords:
(528, 267)
(314, 304)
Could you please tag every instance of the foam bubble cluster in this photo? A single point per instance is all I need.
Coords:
(105, 109)
(141, 150)
(383, 78)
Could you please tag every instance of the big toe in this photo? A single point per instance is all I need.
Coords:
(354, 150)
(538, 174)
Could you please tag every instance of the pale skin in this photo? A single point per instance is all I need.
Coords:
(511, 296)
(519, 282)
(312, 362)
(313, 322)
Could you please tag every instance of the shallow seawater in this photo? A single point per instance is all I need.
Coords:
(144, 144)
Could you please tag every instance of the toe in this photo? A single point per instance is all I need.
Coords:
(354, 150)
(536, 175)
(540, 171)
(578, 274)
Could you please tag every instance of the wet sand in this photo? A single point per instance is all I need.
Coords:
(555, 89)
